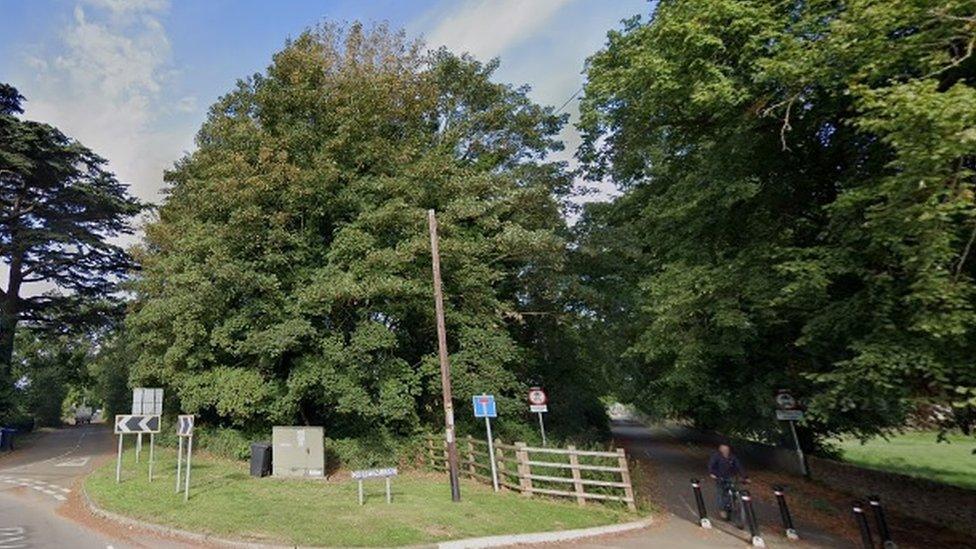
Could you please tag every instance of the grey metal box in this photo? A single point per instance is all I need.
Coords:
(298, 452)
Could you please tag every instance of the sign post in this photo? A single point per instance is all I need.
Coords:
(135, 424)
(484, 406)
(787, 410)
(179, 463)
(386, 474)
(539, 404)
(184, 429)
(450, 439)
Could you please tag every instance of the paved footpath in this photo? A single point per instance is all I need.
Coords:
(672, 466)
(39, 491)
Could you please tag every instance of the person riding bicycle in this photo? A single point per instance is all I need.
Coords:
(725, 468)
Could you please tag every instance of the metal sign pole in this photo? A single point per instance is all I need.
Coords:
(152, 445)
(542, 427)
(189, 455)
(179, 463)
(452, 454)
(118, 463)
(138, 447)
(491, 454)
(799, 451)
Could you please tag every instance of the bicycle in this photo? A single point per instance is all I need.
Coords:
(736, 512)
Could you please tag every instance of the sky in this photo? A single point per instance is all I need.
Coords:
(133, 79)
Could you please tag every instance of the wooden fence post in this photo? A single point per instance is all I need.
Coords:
(577, 477)
(500, 462)
(471, 470)
(524, 469)
(625, 478)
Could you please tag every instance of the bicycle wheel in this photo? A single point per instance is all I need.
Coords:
(738, 513)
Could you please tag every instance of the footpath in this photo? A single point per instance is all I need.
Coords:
(667, 465)
(822, 516)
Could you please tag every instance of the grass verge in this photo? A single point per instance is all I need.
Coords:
(225, 501)
(917, 453)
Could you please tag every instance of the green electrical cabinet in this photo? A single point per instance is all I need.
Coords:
(298, 452)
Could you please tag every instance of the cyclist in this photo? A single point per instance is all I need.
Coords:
(724, 467)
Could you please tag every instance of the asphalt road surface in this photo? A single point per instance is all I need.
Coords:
(38, 488)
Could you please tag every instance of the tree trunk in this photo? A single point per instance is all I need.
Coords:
(9, 316)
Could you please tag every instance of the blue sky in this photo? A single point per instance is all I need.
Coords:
(133, 79)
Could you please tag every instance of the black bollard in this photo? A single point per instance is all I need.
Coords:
(757, 540)
(879, 518)
(862, 525)
(784, 513)
(700, 502)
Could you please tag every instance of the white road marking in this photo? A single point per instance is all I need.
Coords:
(40, 486)
(78, 462)
(13, 537)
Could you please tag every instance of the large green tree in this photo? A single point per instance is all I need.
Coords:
(287, 278)
(60, 211)
(797, 208)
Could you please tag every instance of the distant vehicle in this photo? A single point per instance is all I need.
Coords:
(83, 415)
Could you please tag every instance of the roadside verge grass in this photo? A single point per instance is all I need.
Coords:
(225, 501)
(917, 453)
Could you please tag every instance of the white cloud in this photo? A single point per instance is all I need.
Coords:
(187, 104)
(119, 7)
(486, 28)
(103, 85)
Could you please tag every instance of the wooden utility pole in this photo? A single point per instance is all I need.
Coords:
(452, 454)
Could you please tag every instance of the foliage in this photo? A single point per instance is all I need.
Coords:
(287, 276)
(108, 371)
(59, 210)
(797, 211)
(48, 369)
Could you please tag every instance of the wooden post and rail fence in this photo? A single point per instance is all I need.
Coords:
(579, 474)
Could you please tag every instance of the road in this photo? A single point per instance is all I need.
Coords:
(39, 492)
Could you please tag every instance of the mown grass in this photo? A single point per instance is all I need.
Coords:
(918, 453)
(226, 501)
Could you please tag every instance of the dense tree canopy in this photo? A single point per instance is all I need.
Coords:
(797, 209)
(60, 210)
(287, 277)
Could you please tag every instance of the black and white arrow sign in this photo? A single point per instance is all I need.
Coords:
(125, 424)
(184, 427)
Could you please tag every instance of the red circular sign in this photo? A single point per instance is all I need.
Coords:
(537, 396)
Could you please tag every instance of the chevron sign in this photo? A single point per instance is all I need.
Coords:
(184, 427)
(125, 424)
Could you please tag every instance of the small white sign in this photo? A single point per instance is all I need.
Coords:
(537, 396)
(785, 400)
(789, 415)
(538, 408)
(147, 401)
(374, 473)
(184, 425)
